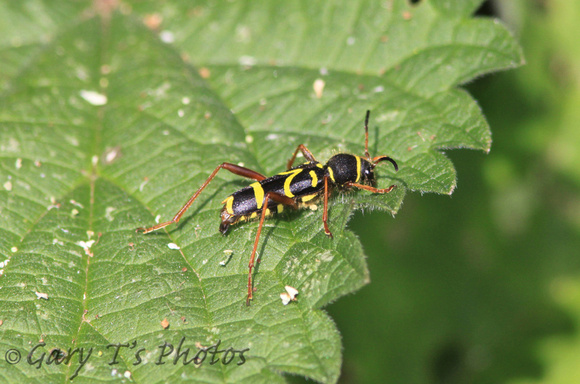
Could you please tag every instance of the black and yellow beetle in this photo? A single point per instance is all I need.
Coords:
(296, 187)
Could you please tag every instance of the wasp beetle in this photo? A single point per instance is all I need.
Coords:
(296, 187)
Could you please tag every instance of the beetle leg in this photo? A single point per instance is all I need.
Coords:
(325, 214)
(281, 200)
(233, 168)
(370, 189)
(305, 152)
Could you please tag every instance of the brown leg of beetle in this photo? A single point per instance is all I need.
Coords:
(325, 213)
(305, 152)
(279, 199)
(233, 168)
(371, 189)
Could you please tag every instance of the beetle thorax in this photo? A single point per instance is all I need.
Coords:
(344, 168)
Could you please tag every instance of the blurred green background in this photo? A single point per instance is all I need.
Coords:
(484, 286)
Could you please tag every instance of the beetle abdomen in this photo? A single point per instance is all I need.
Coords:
(302, 184)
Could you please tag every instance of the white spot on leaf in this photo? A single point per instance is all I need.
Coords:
(285, 298)
(40, 295)
(93, 97)
(108, 213)
(85, 244)
(318, 87)
(74, 202)
(167, 37)
(289, 295)
(291, 291)
(247, 60)
(111, 154)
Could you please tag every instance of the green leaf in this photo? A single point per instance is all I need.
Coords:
(106, 124)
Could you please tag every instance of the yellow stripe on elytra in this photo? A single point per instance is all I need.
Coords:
(292, 173)
(331, 174)
(229, 202)
(258, 194)
(357, 169)
(314, 178)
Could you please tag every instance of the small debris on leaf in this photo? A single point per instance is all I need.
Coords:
(40, 295)
(204, 73)
(94, 98)
(74, 202)
(293, 292)
(153, 21)
(228, 253)
(109, 213)
(86, 245)
(285, 298)
(112, 154)
(318, 87)
(289, 295)
(167, 37)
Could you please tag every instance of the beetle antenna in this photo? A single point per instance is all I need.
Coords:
(367, 135)
(378, 159)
